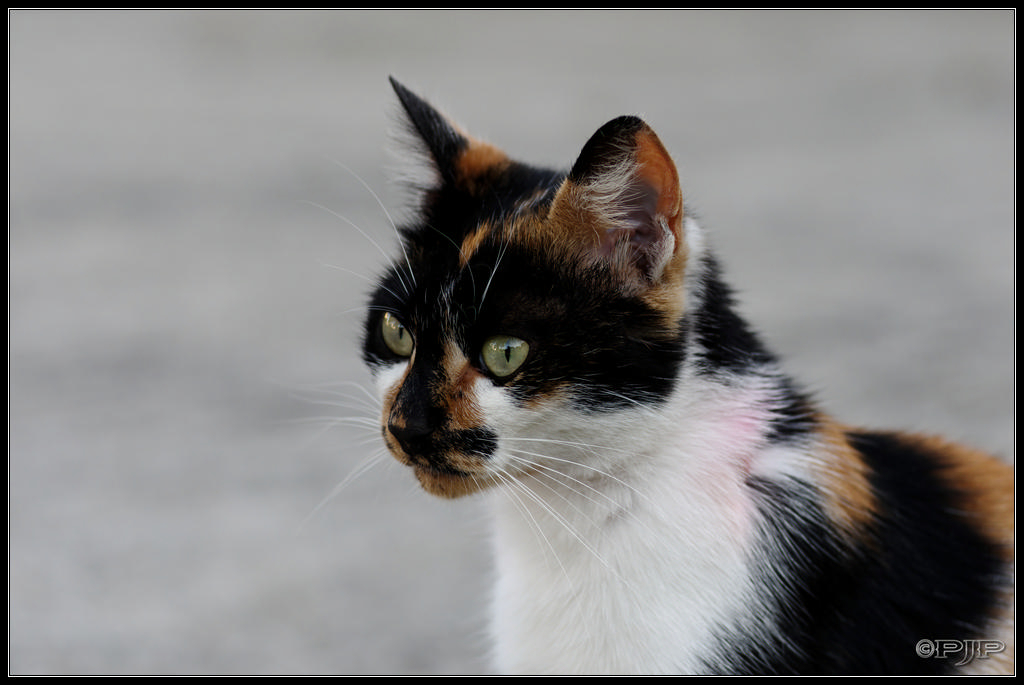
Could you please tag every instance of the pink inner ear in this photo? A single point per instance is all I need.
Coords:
(658, 172)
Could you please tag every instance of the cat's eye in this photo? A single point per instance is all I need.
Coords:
(503, 354)
(396, 336)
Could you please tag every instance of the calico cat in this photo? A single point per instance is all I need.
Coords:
(666, 499)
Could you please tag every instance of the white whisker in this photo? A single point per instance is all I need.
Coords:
(497, 262)
(332, 388)
(407, 286)
(333, 421)
(591, 447)
(601, 497)
(355, 473)
(559, 518)
(376, 282)
(323, 397)
(539, 470)
(578, 464)
(394, 226)
(511, 485)
(551, 473)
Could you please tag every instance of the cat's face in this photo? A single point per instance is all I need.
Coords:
(525, 303)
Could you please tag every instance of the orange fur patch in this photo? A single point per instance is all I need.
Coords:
(986, 482)
(460, 404)
(572, 227)
(472, 242)
(850, 500)
(581, 216)
(655, 166)
(477, 160)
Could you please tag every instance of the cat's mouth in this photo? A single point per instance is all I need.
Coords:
(444, 473)
(448, 482)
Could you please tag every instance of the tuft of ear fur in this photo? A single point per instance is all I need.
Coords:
(622, 201)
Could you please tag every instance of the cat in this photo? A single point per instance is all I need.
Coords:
(666, 499)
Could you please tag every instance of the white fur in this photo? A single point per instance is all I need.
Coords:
(628, 563)
(388, 376)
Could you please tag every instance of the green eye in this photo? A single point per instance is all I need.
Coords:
(396, 336)
(503, 354)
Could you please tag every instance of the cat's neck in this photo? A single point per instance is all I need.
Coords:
(669, 503)
(708, 439)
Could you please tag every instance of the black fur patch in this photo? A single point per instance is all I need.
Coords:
(794, 415)
(726, 341)
(605, 349)
(444, 143)
(922, 572)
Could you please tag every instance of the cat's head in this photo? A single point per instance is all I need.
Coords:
(526, 304)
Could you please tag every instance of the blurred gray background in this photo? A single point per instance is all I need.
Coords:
(185, 278)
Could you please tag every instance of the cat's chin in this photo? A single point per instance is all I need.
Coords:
(449, 484)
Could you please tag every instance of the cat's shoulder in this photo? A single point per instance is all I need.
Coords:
(909, 466)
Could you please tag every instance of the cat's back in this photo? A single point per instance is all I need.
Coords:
(943, 530)
(897, 557)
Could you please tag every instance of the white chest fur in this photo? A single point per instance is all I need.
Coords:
(632, 569)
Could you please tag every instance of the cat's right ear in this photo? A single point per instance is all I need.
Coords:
(454, 155)
(622, 203)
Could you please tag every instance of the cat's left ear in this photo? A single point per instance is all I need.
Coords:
(457, 157)
(623, 200)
